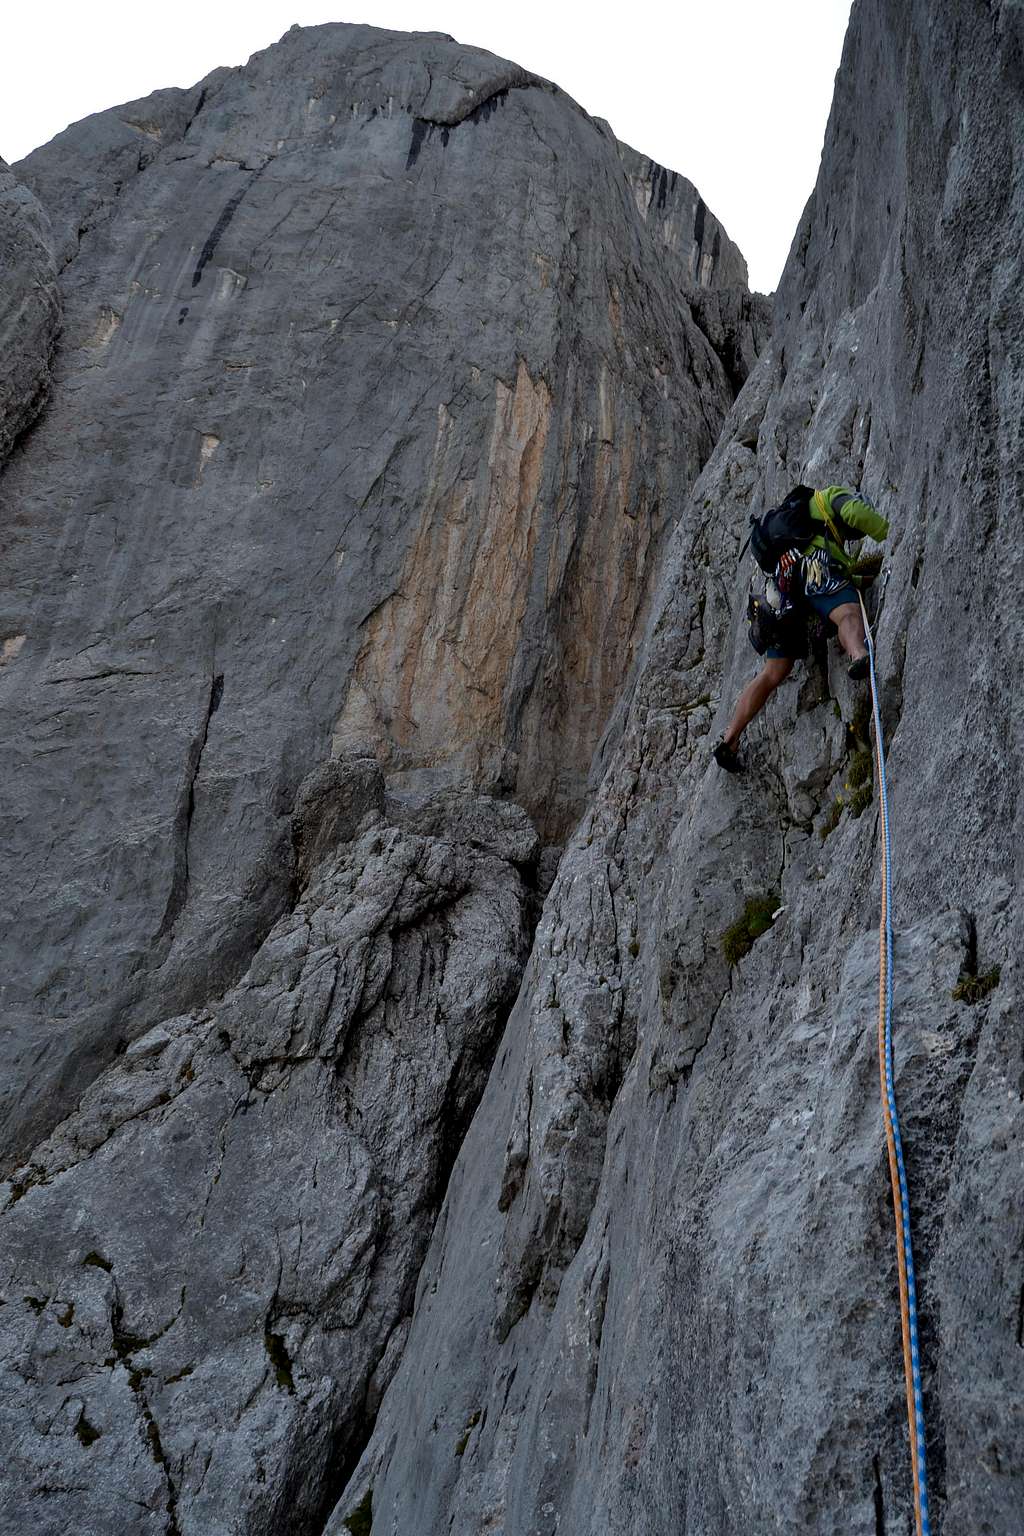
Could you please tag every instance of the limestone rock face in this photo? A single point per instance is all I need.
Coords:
(662, 1295)
(209, 1268)
(29, 313)
(673, 207)
(364, 516)
(380, 391)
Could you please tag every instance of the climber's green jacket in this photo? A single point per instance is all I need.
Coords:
(852, 515)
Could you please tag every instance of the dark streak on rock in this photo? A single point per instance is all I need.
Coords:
(423, 127)
(214, 237)
(659, 181)
(200, 104)
(420, 130)
(87, 1433)
(487, 108)
(699, 221)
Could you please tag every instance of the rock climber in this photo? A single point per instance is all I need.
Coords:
(816, 577)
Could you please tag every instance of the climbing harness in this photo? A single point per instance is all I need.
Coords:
(897, 1170)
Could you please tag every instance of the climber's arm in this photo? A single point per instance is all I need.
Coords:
(857, 512)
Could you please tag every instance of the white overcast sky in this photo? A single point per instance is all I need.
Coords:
(733, 94)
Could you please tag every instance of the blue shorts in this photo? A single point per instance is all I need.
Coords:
(827, 601)
(820, 603)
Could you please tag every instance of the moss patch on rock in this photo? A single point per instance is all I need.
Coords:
(756, 918)
(971, 989)
(463, 1441)
(360, 1521)
(860, 768)
(858, 778)
(860, 800)
(831, 821)
(280, 1360)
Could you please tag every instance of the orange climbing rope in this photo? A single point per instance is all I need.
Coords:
(897, 1169)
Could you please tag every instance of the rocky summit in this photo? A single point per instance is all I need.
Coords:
(436, 1098)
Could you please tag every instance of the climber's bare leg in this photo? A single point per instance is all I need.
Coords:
(847, 619)
(757, 693)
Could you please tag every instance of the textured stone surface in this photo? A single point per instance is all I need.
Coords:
(378, 396)
(672, 206)
(209, 1267)
(29, 311)
(662, 1295)
(80, 175)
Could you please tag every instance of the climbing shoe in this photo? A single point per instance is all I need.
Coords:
(858, 670)
(727, 757)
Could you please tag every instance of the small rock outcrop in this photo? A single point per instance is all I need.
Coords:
(29, 313)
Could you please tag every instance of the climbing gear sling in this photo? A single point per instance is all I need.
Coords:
(897, 1167)
(829, 521)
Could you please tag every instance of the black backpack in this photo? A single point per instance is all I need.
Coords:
(788, 526)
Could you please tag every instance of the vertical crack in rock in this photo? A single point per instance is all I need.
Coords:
(200, 104)
(877, 1497)
(126, 1345)
(187, 803)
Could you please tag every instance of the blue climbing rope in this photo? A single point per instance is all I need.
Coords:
(898, 1172)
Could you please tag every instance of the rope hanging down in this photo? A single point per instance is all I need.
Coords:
(897, 1170)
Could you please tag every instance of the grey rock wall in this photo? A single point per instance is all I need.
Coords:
(377, 399)
(662, 1295)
